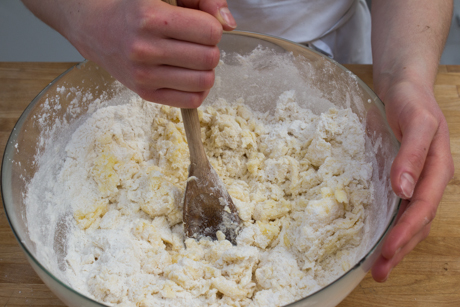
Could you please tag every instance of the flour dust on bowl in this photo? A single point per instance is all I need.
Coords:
(93, 179)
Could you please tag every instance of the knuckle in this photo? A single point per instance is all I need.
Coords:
(144, 22)
(137, 52)
(215, 32)
(426, 232)
(146, 77)
(211, 58)
(139, 75)
(431, 214)
(194, 100)
(149, 20)
(144, 94)
(141, 52)
(151, 95)
(426, 118)
(206, 80)
(416, 158)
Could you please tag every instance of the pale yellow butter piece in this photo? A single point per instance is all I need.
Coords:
(88, 215)
(266, 233)
(228, 287)
(341, 196)
(271, 210)
(103, 172)
(160, 197)
(318, 151)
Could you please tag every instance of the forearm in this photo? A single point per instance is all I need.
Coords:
(76, 20)
(408, 38)
(54, 13)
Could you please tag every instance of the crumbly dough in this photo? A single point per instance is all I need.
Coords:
(299, 180)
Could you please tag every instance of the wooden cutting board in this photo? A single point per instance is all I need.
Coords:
(429, 276)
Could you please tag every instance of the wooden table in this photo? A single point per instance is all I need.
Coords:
(429, 276)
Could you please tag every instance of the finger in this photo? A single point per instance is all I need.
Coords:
(174, 98)
(175, 78)
(402, 208)
(383, 266)
(175, 53)
(422, 209)
(217, 8)
(175, 22)
(408, 164)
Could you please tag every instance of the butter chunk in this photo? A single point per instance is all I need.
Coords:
(271, 210)
(160, 197)
(229, 288)
(91, 214)
(265, 233)
(318, 151)
(104, 174)
(326, 209)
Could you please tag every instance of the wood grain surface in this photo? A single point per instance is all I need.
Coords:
(429, 276)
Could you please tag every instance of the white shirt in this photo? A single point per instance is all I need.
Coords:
(340, 28)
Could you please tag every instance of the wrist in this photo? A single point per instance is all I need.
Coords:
(415, 73)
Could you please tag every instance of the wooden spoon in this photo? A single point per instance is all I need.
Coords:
(208, 207)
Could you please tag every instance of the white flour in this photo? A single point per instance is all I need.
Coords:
(299, 181)
(106, 213)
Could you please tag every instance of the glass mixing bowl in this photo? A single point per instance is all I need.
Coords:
(55, 113)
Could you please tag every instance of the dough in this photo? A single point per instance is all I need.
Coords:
(299, 180)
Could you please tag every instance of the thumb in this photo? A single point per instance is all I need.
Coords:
(409, 162)
(217, 8)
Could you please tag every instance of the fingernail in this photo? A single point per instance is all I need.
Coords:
(407, 185)
(227, 17)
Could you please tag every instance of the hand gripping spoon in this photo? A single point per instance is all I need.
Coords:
(208, 208)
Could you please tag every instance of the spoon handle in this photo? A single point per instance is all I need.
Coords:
(193, 133)
(192, 128)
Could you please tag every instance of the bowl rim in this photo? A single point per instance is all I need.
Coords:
(19, 123)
